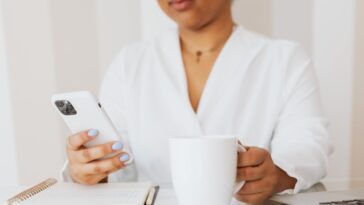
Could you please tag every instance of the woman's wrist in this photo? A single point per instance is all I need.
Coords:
(104, 180)
(284, 181)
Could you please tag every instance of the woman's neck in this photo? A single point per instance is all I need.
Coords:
(208, 36)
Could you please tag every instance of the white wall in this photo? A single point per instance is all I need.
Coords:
(30, 57)
(75, 44)
(293, 20)
(153, 20)
(333, 52)
(118, 23)
(8, 165)
(254, 15)
(358, 97)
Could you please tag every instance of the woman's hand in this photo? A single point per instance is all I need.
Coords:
(86, 165)
(262, 177)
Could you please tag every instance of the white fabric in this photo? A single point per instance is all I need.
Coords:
(262, 91)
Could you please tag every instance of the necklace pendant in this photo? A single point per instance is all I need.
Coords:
(198, 56)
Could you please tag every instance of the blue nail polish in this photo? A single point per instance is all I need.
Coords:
(124, 158)
(117, 146)
(92, 133)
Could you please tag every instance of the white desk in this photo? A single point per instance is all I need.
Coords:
(167, 196)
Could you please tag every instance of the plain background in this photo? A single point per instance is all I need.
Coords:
(50, 46)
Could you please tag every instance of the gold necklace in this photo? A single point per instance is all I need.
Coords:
(198, 54)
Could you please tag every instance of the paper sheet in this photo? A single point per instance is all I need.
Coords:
(317, 197)
(106, 194)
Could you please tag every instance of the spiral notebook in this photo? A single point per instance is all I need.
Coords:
(51, 192)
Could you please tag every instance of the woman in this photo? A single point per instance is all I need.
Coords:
(210, 76)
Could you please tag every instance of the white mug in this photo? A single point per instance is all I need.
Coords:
(204, 169)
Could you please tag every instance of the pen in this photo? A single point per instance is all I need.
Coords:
(152, 195)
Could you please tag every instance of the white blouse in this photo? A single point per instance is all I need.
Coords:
(264, 92)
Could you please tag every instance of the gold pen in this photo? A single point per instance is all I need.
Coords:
(152, 195)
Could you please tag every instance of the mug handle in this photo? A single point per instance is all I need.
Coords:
(239, 185)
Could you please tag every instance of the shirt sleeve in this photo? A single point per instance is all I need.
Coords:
(111, 97)
(301, 143)
(65, 174)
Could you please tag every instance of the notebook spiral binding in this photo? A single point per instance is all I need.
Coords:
(31, 191)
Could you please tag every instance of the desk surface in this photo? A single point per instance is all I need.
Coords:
(167, 196)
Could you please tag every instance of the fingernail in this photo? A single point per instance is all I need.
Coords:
(117, 146)
(92, 133)
(124, 158)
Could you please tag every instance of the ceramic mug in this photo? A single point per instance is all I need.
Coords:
(204, 169)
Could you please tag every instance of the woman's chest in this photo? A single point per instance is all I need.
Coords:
(246, 106)
(240, 101)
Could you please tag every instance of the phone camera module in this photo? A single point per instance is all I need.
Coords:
(65, 107)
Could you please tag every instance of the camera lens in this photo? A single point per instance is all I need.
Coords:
(60, 103)
(65, 107)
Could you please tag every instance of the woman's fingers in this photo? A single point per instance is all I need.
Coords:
(255, 187)
(261, 176)
(93, 153)
(251, 173)
(254, 192)
(105, 166)
(252, 157)
(90, 179)
(95, 179)
(76, 141)
(87, 165)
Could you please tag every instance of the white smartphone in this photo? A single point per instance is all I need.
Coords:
(82, 111)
